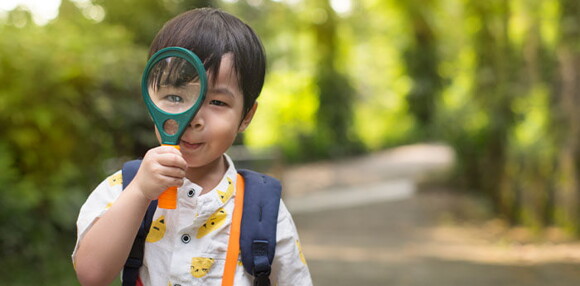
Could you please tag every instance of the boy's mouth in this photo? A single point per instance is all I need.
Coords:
(190, 146)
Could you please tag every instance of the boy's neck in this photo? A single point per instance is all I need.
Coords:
(208, 176)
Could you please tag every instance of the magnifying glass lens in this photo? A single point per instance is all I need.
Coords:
(173, 85)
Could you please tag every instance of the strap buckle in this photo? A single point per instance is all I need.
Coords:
(262, 266)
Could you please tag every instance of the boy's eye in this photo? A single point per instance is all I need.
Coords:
(174, 98)
(217, 102)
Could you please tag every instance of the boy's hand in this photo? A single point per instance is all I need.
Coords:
(161, 168)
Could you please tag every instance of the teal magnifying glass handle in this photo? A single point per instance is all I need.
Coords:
(173, 86)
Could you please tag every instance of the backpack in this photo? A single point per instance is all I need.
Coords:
(258, 226)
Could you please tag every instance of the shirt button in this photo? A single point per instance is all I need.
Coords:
(185, 238)
(191, 193)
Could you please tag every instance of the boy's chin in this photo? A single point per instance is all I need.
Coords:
(197, 163)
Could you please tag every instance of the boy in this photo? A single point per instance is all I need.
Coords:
(187, 246)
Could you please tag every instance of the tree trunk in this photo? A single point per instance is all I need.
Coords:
(567, 197)
(335, 111)
(422, 61)
(494, 88)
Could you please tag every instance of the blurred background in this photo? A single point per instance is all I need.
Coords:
(420, 142)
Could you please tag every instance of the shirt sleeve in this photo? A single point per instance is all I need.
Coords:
(97, 204)
(289, 266)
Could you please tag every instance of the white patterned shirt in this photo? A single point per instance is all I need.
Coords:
(188, 245)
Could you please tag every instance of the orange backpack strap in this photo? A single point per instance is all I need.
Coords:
(234, 242)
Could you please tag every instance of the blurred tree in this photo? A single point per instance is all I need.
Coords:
(334, 136)
(531, 152)
(64, 110)
(422, 63)
(496, 83)
(145, 18)
(567, 117)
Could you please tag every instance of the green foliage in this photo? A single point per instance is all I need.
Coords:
(422, 62)
(280, 110)
(66, 101)
(143, 18)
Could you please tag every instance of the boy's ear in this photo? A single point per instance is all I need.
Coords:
(248, 118)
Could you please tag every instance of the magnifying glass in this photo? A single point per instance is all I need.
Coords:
(173, 86)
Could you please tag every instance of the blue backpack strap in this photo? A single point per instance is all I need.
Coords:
(259, 223)
(135, 259)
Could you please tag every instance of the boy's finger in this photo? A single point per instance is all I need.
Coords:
(173, 173)
(168, 149)
(173, 160)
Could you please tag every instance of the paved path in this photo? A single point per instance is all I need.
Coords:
(389, 233)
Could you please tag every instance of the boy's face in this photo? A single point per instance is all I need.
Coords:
(218, 121)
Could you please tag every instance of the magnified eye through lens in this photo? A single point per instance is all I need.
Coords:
(173, 85)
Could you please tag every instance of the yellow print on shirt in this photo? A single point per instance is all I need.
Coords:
(115, 179)
(302, 258)
(157, 230)
(224, 196)
(200, 266)
(213, 222)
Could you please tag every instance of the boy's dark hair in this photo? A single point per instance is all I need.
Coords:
(211, 33)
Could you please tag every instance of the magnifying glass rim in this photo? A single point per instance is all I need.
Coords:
(160, 116)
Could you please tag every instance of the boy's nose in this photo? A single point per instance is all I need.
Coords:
(196, 122)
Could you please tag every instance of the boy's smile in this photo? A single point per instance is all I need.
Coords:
(190, 146)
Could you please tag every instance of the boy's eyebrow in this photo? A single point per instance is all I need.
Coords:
(222, 90)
